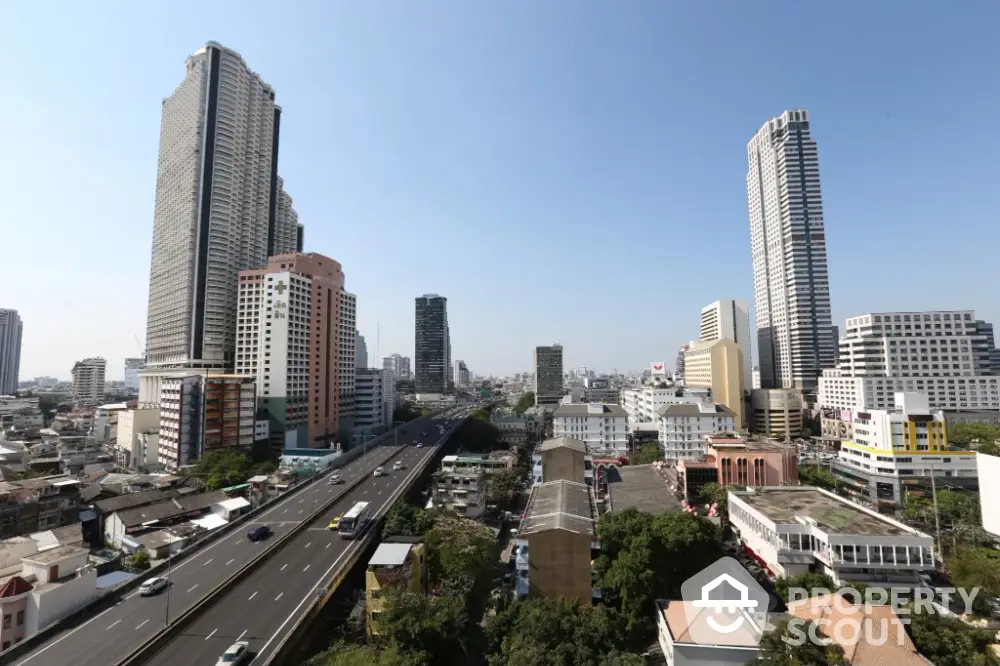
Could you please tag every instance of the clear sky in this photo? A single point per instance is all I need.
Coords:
(565, 171)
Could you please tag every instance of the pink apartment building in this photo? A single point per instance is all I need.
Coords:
(731, 459)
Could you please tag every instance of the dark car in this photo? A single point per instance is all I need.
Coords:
(259, 532)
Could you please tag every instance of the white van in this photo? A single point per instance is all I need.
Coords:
(379, 471)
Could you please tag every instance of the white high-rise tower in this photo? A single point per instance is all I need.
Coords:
(219, 210)
(788, 245)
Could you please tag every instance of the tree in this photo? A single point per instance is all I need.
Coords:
(220, 468)
(790, 647)
(950, 642)
(964, 434)
(463, 554)
(646, 454)
(479, 436)
(407, 520)
(343, 654)
(715, 493)
(976, 567)
(814, 475)
(139, 560)
(405, 412)
(557, 632)
(265, 468)
(806, 581)
(434, 626)
(645, 557)
(525, 402)
(504, 484)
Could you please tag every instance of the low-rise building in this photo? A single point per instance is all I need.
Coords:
(462, 491)
(731, 459)
(35, 505)
(398, 563)
(683, 428)
(517, 429)
(562, 458)
(147, 517)
(776, 412)
(136, 445)
(643, 404)
(897, 452)
(639, 487)
(792, 530)
(674, 620)
(603, 428)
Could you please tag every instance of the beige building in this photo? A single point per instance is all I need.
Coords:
(718, 365)
(777, 412)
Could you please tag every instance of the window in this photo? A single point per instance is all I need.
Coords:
(6, 621)
(20, 618)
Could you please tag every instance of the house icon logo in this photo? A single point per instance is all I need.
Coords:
(724, 605)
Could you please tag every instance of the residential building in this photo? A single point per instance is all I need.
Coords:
(287, 236)
(105, 424)
(944, 354)
(132, 368)
(496, 461)
(793, 530)
(730, 320)
(683, 428)
(134, 521)
(788, 247)
(679, 366)
(462, 378)
(219, 131)
(137, 439)
(776, 412)
(557, 543)
(674, 622)
(360, 351)
(11, 329)
(460, 489)
(199, 413)
(603, 428)
(88, 381)
(548, 374)
(562, 458)
(432, 347)
(400, 365)
(985, 329)
(296, 341)
(516, 429)
(348, 320)
(642, 405)
(600, 389)
(897, 452)
(718, 365)
(397, 564)
(33, 505)
(370, 401)
(731, 459)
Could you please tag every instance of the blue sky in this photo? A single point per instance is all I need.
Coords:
(562, 171)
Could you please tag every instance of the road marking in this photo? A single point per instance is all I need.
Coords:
(329, 544)
(283, 567)
(230, 562)
(142, 624)
(110, 626)
(285, 511)
(209, 562)
(279, 596)
(191, 589)
(241, 635)
(252, 596)
(307, 568)
(301, 510)
(302, 500)
(211, 634)
(309, 544)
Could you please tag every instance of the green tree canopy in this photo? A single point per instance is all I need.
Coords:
(526, 401)
(434, 626)
(806, 581)
(646, 454)
(504, 484)
(407, 520)
(405, 412)
(343, 654)
(950, 642)
(814, 475)
(715, 493)
(963, 434)
(221, 468)
(782, 647)
(645, 557)
(557, 632)
(463, 555)
(479, 436)
(976, 567)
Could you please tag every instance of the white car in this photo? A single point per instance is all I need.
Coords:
(420, 445)
(379, 472)
(153, 586)
(236, 654)
(398, 465)
(335, 479)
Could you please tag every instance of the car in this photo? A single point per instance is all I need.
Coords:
(423, 434)
(379, 471)
(153, 586)
(420, 445)
(398, 465)
(259, 532)
(335, 479)
(335, 523)
(235, 654)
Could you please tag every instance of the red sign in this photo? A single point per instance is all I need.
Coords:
(657, 366)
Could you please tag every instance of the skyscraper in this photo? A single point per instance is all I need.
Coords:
(788, 246)
(432, 346)
(730, 320)
(132, 368)
(548, 375)
(220, 209)
(88, 381)
(399, 365)
(360, 351)
(11, 328)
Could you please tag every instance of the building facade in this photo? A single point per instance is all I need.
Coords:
(88, 381)
(642, 405)
(776, 413)
(683, 428)
(718, 365)
(432, 346)
(944, 354)
(132, 368)
(360, 351)
(461, 490)
(788, 247)
(730, 320)
(548, 375)
(293, 316)
(400, 366)
(462, 378)
(11, 329)
(373, 412)
(602, 428)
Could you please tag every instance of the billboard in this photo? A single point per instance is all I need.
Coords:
(658, 369)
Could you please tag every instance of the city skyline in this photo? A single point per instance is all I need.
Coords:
(590, 170)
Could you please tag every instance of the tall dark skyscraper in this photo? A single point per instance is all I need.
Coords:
(10, 350)
(432, 346)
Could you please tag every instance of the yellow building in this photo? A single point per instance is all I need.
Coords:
(398, 563)
(718, 365)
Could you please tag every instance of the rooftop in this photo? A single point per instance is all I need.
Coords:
(55, 554)
(695, 409)
(560, 505)
(794, 504)
(680, 616)
(390, 555)
(172, 508)
(589, 409)
(639, 487)
(562, 442)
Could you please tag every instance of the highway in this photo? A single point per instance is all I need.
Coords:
(110, 636)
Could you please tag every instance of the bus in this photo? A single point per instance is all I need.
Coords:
(355, 520)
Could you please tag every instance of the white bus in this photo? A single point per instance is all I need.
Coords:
(355, 521)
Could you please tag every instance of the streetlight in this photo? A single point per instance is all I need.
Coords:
(166, 612)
